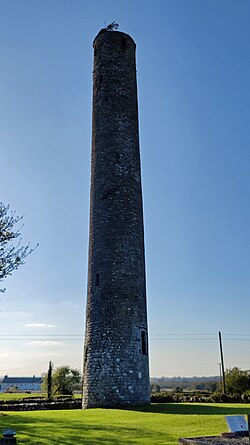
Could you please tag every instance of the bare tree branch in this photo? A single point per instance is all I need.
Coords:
(12, 252)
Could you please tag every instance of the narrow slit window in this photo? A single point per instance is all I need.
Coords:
(85, 354)
(143, 342)
(123, 44)
(97, 279)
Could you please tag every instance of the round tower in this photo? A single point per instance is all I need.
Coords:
(116, 369)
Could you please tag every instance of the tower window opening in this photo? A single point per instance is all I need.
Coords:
(123, 44)
(101, 78)
(85, 354)
(97, 279)
(95, 51)
(143, 342)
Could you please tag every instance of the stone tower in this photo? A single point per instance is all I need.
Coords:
(116, 369)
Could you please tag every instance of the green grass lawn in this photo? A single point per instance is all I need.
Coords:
(18, 396)
(157, 424)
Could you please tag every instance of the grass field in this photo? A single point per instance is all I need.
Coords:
(157, 424)
(18, 396)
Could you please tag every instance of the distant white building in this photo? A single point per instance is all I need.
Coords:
(32, 384)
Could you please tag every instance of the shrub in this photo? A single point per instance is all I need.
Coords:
(162, 397)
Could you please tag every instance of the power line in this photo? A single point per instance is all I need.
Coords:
(19, 338)
(153, 337)
(22, 367)
(41, 335)
(40, 339)
(153, 333)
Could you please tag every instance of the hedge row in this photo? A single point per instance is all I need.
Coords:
(169, 397)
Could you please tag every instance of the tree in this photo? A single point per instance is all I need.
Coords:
(12, 253)
(112, 26)
(200, 386)
(237, 381)
(214, 386)
(49, 381)
(64, 380)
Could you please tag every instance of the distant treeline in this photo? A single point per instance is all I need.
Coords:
(185, 383)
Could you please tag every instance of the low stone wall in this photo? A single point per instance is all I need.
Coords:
(41, 405)
(214, 440)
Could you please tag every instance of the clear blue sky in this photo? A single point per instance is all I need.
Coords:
(193, 69)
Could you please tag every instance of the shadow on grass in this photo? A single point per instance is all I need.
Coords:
(76, 428)
(36, 430)
(193, 408)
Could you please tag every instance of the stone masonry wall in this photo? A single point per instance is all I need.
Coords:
(116, 370)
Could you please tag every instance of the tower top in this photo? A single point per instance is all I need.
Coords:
(112, 37)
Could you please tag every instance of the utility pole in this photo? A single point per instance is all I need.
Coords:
(222, 364)
(220, 376)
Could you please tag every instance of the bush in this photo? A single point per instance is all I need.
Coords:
(162, 397)
(219, 397)
(216, 397)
